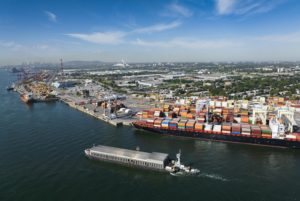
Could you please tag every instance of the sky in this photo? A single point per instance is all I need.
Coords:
(149, 31)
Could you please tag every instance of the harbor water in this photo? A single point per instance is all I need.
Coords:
(42, 158)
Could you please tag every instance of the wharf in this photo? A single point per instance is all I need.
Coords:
(98, 115)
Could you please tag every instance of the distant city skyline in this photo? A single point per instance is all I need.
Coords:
(149, 31)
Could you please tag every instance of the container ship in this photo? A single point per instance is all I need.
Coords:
(136, 158)
(27, 97)
(210, 126)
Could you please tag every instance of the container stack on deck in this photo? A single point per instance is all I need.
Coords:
(165, 123)
(226, 128)
(208, 127)
(225, 117)
(157, 122)
(199, 126)
(217, 128)
(150, 122)
(255, 131)
(266, 131)
(183, 114)
(244, 116)
(158, 113)
(246, 129)
(236, 129)
(174, 123)
(190, 124)
(201, 117)
(182, 123)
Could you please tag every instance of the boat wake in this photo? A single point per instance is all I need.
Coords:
(213, 176)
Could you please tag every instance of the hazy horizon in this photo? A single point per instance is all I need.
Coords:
(156, 31)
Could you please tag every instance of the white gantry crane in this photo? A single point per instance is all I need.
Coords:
(261, 112)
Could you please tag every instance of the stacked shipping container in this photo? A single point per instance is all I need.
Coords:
(182, 123)
(255, 131)
(190, 124)
(246, 129)
(226, 128)
(266, 132)
(236, 129)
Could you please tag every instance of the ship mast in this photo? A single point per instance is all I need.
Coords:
(178, 163)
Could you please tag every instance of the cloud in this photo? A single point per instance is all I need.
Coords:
(243, 7)
(42, 47)
(188, 43)
(225, 6)
(100, 37)
(51, 16)
(118, 37)
(281, 38)
(179, 9)
(11, 45)
(158, 27)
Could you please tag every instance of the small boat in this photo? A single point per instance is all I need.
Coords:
(176, 168)
(11, 87)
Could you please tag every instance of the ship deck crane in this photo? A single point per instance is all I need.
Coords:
(287, 115)
(261, 112)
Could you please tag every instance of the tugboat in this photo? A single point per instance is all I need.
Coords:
(11, 87)
(176, 168)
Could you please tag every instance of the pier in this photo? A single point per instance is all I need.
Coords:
(99, 115)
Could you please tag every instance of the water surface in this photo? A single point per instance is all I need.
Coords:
(41, 158)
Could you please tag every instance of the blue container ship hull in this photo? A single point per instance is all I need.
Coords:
(222, 137)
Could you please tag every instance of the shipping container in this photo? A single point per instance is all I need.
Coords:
(193, 110)
(199, 126)
(158, 113)
(218, 104)
(208, 127)
(244, 119)
(266, 136)
(190, 116)
(165, 123)
(255, 130)
(183, 113)
(217, 111)
(174, 123)
(182, 123)
(291, 137)
(226, 127)
(157, 122)
(217, 128)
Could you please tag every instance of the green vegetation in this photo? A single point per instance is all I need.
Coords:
(238, 86)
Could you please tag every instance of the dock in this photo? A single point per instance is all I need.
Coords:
(100, 116)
